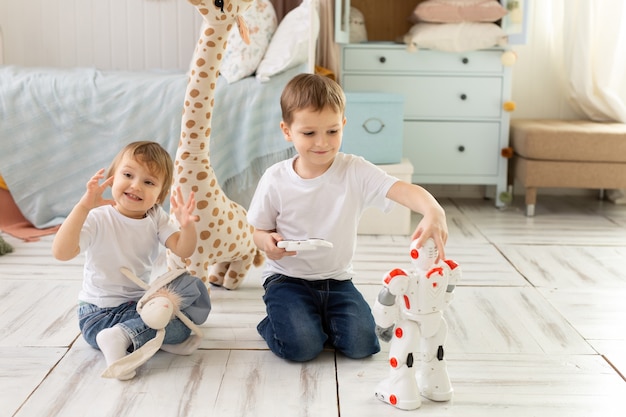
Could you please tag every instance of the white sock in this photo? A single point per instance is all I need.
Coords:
(114, 343)
(185, 348)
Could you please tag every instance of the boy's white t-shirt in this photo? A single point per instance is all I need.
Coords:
(110, 241)
(327, 207)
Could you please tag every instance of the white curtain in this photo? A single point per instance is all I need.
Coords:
(588, 43)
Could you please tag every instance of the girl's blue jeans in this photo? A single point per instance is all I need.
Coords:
(92, 319)
(303, 316)
(195, 304)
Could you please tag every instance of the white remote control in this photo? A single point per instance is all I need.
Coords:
(308, 244)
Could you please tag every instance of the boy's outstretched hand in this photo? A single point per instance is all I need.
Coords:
(434, 227)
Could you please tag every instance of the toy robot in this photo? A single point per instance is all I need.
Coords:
(409, 314)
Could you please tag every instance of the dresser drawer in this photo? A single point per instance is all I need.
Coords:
(453, 148)
(436, 97)
(396, 59)
(374, 127)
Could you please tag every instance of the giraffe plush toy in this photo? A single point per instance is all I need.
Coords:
(225, 250)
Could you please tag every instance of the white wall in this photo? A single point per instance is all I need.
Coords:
(108, 34)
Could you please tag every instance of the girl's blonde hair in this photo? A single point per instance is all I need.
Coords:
(311, 91)
(155, 157)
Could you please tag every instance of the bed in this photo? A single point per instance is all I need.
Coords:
(60, 125)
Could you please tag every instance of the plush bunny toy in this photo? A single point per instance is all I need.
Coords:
(158, 306)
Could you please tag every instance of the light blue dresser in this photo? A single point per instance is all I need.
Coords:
(455, 126)
(374, 123)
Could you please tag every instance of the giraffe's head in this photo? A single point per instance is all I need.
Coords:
(219, 12)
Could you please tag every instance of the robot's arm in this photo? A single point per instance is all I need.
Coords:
(385, 315)
(454, 276)
(396, 281)
(385, 310)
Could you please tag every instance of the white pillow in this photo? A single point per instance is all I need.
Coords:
(455, 11)
(289, 46)
(241, 60)
(455, 37)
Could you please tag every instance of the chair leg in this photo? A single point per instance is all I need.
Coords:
(531, 200)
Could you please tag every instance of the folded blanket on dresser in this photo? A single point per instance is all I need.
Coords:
(59, 126)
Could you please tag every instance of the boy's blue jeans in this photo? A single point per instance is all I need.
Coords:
(195, 304)
(303, 316)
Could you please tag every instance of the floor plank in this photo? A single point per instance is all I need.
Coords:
(38, 313)
(614, 352)
(558, 266)
(22, 369)
(260, 384)
(595, 313)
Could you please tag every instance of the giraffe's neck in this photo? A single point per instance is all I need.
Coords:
(200, 92)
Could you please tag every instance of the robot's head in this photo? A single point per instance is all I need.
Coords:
(424, 257)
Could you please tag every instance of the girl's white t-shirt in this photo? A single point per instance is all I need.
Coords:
(110, 241)
(327, 207)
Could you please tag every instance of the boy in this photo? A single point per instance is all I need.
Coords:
(320, 193)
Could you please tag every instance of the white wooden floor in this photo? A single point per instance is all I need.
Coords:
(537, 328)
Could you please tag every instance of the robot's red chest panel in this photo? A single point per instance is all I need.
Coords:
(426, 292)
(436, 281)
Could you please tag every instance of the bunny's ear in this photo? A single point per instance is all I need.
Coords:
(243, 30)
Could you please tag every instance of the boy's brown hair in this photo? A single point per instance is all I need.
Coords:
(311, 91)
(155, 157)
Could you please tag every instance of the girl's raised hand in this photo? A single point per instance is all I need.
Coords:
(183, 211)
(93, 195)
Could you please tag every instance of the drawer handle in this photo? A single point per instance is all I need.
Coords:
(461, 148)
(382, 59)
(373, 125)
(463, 97)
(465, 60)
